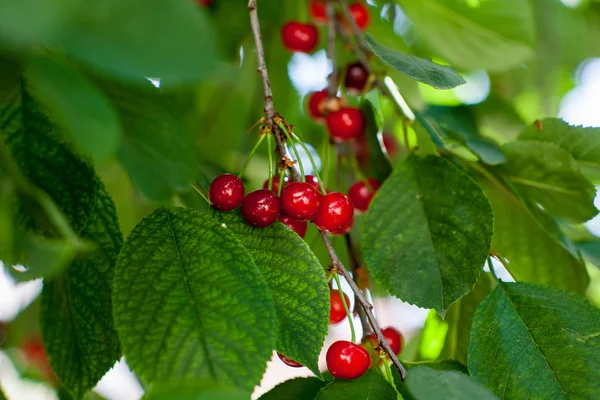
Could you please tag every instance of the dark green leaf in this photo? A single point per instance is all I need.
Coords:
(428, 384)
(2, 395)
(80, 108)
(295, 389)
(190, 302)
(379, 164)
(496, 35)
(549, 175)
(591, 251)
(193, 390)
(427, 233)
(371, 386)
(531, 341)
(420, 69)
(297, 283)
(7, 220)
(440, 365)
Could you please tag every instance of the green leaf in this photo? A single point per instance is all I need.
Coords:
(379, 165)
(155, 149)
(427, 384)
(297, 283)
(545, 343)
(420, 69)
(78, 106)
(426, 145)
(371, 386)
(496, 35)
(549, 175)
(7, 221)
(190, 302)
(135, 39)
(427, 233)
(295, 389)
(193, 390)
(440, 365)
(532, 242)
(2, 395)
(591, 251)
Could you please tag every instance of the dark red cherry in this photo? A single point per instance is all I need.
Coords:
(300, 200)
(362, 193)
(346, 360)
(299, 37)
(299, 227)
(204, 3)
(337, 312)
(261, 208)
(289, 361)
(346, 124)
(276, 183)
(393, 337)
(314, 104)
(361, 15)
(343, 230)
(226, 192)
(318, 11)
(313, 181)
(391, 145)
(336, 212)
(356, 78)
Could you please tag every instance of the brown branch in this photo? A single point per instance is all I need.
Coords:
(270, 115)
(357, 275)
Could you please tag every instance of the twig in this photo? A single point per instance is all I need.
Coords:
(270, 114)
(331, 34)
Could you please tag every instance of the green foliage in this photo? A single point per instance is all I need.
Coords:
(379, 163)
(372, 385)
(427, 233)
(426, 383)
(545, 342)
(194, 390)
(295, 389)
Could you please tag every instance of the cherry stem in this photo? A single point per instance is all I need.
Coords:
(270, 150)
(326, 159)
(247, 162)
(201, 192)
(296, 176)
(312, 162)
(355, 264)
(346, 308)
(289, 137)
(281, 182)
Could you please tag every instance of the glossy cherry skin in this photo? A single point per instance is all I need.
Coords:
(356, 78)
(343, 230)
(318, 11)
(336, 212)
(300, 200)
(361, 15)
(346, 360)
(226, 192)
(393, 337)
(276, 183)
(299, 227)
(361, 194)
(337, 313)
(315, 100)
(299, 37)
(313, 181)
(289, 361)
(346, 124)
(261, 208)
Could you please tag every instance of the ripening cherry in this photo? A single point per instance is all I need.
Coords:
(362, 193)
(300, 200)
(343, 230)
(346, 124)
(261, 208)
(204, 3)
(361, 15)
(391, 145)
(276, 183)
(299, 227)
(393, 337)
(289, 361)
(299, 37)
(226, 192)
(356, 78)
(346, 360)
(314, 105)
(313, 181)
(336, 212)
(337, 312)
(318, 11)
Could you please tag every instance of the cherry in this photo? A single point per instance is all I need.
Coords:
(299, 227)
(299, 37)
(393, 337)
(35, 352)
(337, 312)
(356, 78)
(315, 100)
(313, 181)
(361, 15)
(289, 361)
(261, 208)
(276, 183)
(336, 212)
(345, 360)
(361, 194)
(344, 229)
(226, 192)
(391, 145)
(318, 11)
(204, 3)
(300, 200)
(345, 124)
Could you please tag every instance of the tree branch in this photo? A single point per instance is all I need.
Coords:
(357, 275)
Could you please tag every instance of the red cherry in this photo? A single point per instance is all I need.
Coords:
(318, 11)
(289, 361)
(343, 230)
(356, 78)
(391, 145)
(204, 3)
(345, 360)
(261, 208)
(345, 124)
(361, 15)
(315, 99)
(337, 313)
(226, 192)
(335, 213)
(361, 194)
(35, 352)
(300, 200)
(313, 181)
(299, 37)
(299, 227)
(276, 183)
(393, 337)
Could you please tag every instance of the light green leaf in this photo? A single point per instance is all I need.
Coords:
(297, 283)
(78, 106)
(193, 390)
(545, 343)
(548, 175)
(420, 69)
(426, 145)
(295, 389)
(371, 386)
(427, 233)
(496, 35)
(427, 384)
(156, 150)
(190, 302)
